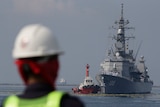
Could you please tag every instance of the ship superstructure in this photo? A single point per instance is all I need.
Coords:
(121, 72)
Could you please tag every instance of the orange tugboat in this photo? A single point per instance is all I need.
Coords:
(87, 87)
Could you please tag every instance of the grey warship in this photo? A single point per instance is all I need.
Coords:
(120, 72)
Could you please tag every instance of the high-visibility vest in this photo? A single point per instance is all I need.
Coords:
(52, 99)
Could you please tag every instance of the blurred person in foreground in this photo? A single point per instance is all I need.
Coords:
(36, 52)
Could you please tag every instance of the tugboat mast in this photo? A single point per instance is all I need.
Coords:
(87, 70)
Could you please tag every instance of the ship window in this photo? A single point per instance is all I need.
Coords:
(88, 80)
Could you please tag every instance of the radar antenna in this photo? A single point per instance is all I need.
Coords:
(138, 50)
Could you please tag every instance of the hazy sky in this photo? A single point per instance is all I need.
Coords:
(82, 28)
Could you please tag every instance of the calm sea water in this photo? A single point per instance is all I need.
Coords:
(145, 100)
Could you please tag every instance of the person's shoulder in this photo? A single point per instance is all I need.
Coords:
(71, 101)
(7, 99)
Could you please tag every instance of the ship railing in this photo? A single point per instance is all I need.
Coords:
(115, 74)
(126, 78)
(110, 73)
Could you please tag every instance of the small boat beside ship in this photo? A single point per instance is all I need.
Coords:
(62, 81)
(88, 86)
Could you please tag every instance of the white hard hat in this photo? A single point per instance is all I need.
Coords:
(35, 40)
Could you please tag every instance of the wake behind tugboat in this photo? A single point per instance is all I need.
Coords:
(120, 73)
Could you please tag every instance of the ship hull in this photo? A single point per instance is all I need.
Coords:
(119, 85)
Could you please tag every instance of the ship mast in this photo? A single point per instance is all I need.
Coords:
(120, 38)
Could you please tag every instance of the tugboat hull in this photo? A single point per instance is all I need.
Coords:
(87, 90)
(120, 85)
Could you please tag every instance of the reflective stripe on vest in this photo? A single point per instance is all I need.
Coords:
(53, 99)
